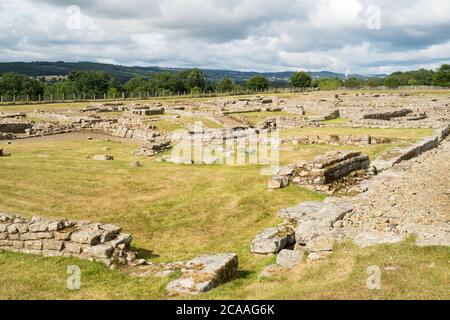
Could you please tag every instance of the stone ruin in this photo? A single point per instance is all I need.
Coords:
(153, 147)
(306, 228)
(141, 111)
(388, 115)
(92, 241)
(323, 170)
(107, 244)
(332, 139)
(14, 125)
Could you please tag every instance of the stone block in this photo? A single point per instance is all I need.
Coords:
(89, 237)
(289, 258)
(74, 248)
(33, 245)
(207, 272)
(371, 238)
(271, 240)
(103, 251)
(53, 245)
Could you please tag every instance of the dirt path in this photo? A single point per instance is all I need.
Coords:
(72, 136)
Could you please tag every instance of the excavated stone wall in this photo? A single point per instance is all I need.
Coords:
(92, 241)
(322, 170)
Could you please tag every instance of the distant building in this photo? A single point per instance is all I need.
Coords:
(52, 78)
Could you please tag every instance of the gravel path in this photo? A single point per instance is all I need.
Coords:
(411, 198)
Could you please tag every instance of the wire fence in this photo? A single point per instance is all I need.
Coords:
(128, 96)
(125, 96)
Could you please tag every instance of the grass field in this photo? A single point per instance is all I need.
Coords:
(177, 212)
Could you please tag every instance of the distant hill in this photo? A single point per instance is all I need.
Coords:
(124, 73)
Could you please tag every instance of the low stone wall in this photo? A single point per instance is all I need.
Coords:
(107, 244)
(322, 170)
(338, 140)
(14, 127)
(400, 154)
(92, 241)
(388, 115)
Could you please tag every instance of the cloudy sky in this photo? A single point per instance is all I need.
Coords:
(355, 36)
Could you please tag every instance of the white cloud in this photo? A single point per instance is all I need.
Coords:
(259, 35)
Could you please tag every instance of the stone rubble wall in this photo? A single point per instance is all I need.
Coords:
(400, 154)
(14, 126)
(338, 140)
(388, 115)
(322, 170)
(107, 244)
(91, 241)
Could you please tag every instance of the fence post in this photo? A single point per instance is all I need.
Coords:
(104, 96)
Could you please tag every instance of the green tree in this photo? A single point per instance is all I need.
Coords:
(300, 80)
(225, 85)
(137, 85)
(442, 76)
(12, 83)
(195, 79)
(353, 83)
(329, 84)
(258, 83)
(392, 82)
(374, 82)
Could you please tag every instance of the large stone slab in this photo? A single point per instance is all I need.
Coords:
(289, 258)
(371, 238)
(204, 273)
(272, 240)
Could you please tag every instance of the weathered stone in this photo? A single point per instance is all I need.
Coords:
(321, 244)
(271, 240)
(33, 245)
(73, 247)
(18, 245)
(121, 239)
(90, 237)
(3, 236)
(207, 273)
(12, 228)
(289, 258)
(53, 245)
(29, 236)
(278, 182)
(371, 238)
(6, 243)
(103, 157)
(310, 230)
(39, 226)
(62, 235)
(55, 225)
(103, 251)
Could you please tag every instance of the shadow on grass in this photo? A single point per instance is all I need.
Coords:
(145, 254)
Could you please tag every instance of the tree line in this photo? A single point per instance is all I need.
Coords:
(194, 81)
